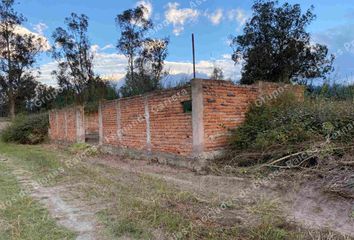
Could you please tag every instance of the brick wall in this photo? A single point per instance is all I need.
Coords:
(157, 122)
(91, 122)
(170, 126)
(64, 124)
(153, 122)
(225, 106)
(71, 124)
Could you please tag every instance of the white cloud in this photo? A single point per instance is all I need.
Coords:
(108, 46)
(239, 15)
(113, 66)
(40, 28)
(43, 41)
(206, 67)
(110, 66)
(178, 17)
(46, 71)
(95, 48)
(226, 56)
(215, 17)
(148, 6)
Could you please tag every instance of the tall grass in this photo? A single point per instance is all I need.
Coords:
(286, 124)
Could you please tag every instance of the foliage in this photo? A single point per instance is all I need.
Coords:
(139, 203)
(286, 122)
(276, 47)
(217, 74)
(332, 91)
(75, 73)
(65, 98)
(145, 55)
(43, 100)
(18, 52)
(133, 25)
(27, 129)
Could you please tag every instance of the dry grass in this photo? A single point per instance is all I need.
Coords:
(22, 217)
(140, 206)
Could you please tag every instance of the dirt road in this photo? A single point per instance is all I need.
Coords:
(111, 197)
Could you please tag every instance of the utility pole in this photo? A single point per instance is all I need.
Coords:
(193, 48)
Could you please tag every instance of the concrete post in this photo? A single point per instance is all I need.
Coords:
(50, 125)
(56, 125)
(197, 117)
(100, 123)
(119, 125)
(147, 119)
(80, 129)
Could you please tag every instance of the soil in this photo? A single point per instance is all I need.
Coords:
(312, 207)
(306, 204)
(3, 124)
(68, 212)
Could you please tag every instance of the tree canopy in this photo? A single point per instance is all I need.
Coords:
(145, 55)
(18, 52)
(276, 47)
(75, 74)
(217, 73)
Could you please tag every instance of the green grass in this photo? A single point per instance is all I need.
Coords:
(272, 224)
(22, 217)
(135, 205)
(34, 158)
(142, 205)
(43, 164)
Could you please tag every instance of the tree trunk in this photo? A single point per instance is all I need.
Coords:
(12, 107)
(132, 68)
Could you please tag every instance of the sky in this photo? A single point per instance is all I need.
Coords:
(212, 22)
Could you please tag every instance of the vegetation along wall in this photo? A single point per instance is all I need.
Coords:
(192, 121)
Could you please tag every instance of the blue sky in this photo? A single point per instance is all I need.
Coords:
(212, 21)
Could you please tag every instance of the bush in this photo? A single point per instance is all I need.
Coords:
(286, 125)
(286, 121)
(27, 129)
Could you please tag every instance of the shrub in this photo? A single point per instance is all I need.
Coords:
(286, 125)
(286, 121)
(27, 129)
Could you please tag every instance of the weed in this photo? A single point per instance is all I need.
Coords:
(31, 129)
(23, 218)
(143, 206)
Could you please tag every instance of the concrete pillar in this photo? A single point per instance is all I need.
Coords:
(197, 117)
(56, 125)
(50, 124)
(80, 126)
(119, 123)
(147, 119)
(100, 123)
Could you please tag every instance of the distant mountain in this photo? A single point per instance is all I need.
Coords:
(117, 84)
(174, 80)
(169, 81)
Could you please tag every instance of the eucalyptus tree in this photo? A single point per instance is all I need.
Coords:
(146, 55)
(72, 51)
(18, 51)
